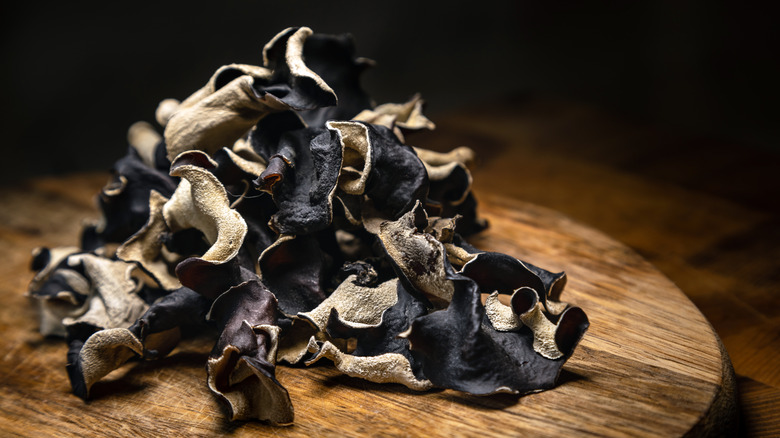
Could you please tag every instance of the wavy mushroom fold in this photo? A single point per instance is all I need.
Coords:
(151, 336)
(359, 304)
(201, 202)
(458, 351)
(113, 300)
(450, 192)
(399, 117)
(534, 299)
(60, 290)
(333, 58)
(124, 201)
(241, 366)
(302, 174)
(376, 352)
(294, 269)
(398, 178)
(147, 246)
(503, 273)
(237, 96)
(419, 258)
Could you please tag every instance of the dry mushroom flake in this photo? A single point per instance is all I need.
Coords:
(284, 214)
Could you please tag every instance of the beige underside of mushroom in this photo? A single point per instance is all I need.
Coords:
(200, 202)
(142, 137)
(54, 309)
(213, 118)
(384, 368)
(356, 156)
(113, 300)
(411, 249)
(146, 248)
(360, 306)
(406, 115)
(56, 255)
(462, 154)
(107, 350)
(440, 165)
(457, 255)
(357, 306)
(246, 159)
(504, 319)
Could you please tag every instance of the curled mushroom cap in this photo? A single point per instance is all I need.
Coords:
(458, 351)
(146, 246)
(419, 257)
(398, 116)
(124, 201)
(237, 96)
(201, 202)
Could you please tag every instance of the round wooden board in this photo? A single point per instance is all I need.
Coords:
(650, 364)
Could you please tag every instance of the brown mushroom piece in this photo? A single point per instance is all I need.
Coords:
(399, 117)
(241, 366)
(419, 258)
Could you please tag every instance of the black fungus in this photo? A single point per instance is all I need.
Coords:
(305, 231)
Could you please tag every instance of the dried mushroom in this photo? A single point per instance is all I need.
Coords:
(285, 215)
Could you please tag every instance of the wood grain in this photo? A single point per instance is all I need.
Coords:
(650, 364)
(704, 211)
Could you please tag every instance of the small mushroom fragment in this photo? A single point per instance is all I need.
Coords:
(398, 116)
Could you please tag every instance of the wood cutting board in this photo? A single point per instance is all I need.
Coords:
(650, 364)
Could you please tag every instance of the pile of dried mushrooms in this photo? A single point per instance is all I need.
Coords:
(282, 210)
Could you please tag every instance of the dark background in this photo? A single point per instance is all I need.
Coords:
(75, 76)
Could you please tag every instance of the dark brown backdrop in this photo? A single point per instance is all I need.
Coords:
(76, 76)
